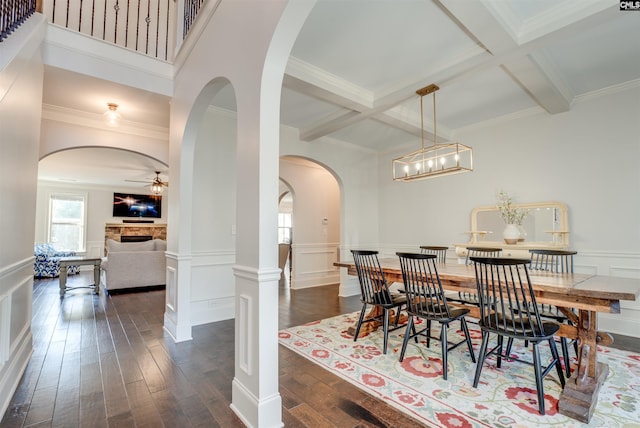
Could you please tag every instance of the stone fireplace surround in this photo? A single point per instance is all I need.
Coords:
(116, 231)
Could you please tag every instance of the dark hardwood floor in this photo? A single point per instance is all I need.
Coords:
(105, 361)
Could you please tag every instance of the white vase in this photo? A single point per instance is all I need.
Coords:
(523, 233)
(511, 234)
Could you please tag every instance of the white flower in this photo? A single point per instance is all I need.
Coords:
(508, 212)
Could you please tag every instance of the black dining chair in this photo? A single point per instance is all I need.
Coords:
(508, 309)
(561, 262)
(439, 251)
(466, 297)
(426, 300)
(374, 291)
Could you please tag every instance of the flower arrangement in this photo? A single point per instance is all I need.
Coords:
(508, 212)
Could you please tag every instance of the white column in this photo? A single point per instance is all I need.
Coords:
(178, 299)
(256, 399)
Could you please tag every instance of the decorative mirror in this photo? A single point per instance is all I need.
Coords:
(546, 224)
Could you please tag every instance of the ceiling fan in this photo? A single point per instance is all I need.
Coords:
(156, 185)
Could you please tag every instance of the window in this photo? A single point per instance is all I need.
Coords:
(67, 221)
(284, 228)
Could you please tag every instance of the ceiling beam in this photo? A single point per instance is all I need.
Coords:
(513, 46)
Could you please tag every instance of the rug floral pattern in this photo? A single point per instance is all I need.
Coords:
(505, 397)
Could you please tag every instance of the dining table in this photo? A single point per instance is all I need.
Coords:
(579, 296)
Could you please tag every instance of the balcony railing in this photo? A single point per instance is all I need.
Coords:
(191, 9)
(146, 26)
(13, 13)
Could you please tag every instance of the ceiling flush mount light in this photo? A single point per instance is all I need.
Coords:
(435, 160)
(111, 116)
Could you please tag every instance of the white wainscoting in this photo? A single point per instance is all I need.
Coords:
(16, 290)
(212, 286)
(313, 265)
(626, 265)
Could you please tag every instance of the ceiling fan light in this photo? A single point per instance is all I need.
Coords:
(156, 188)
(111, 116)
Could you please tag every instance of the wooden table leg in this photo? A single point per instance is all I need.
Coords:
(371, 326)
(96, 277)
(63, 278)
(580, 395)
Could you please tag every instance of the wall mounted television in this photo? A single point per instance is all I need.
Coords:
(130, 205)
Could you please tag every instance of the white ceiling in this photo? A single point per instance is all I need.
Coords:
(356, 65)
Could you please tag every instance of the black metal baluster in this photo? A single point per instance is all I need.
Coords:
(104, 21)
(138, 25)
(166, 35)
(116, 7)
(126, 30)
(80, 18)
(93, 14)
(147, 20)
(157, 26)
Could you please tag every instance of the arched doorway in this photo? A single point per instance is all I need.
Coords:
(89, 177)
(315, 221)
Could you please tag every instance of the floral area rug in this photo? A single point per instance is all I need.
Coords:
(505, 397)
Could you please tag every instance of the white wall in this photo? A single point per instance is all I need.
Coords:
(356, 172)
(317, 196)
(214, 213)
(21, 77)
(99, 211)
(316, 223)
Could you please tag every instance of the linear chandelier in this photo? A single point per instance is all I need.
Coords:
(436, 160)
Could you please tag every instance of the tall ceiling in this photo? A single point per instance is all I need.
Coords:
(356, 65)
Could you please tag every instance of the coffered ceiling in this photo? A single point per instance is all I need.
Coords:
(356, 65)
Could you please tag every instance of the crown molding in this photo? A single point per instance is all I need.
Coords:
(92, 120)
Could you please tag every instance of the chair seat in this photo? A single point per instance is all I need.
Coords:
(440, 314)
(398, 299)
(524, 331)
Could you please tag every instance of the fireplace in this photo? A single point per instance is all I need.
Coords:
(134, 232)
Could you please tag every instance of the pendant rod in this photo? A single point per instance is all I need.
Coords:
(430, 89)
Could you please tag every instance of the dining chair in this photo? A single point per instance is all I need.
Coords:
(508, 309)
(438, 251)
(426, 300)
(374, 291)
(466, 297)
(561, 262)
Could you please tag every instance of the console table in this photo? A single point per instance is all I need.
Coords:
(79, 261)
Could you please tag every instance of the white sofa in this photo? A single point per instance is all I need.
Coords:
(134, 264)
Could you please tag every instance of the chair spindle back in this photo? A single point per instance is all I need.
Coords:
(422, 285)
(439, 252)
(373, 285)
(482, 252)
(556, 261)
(507, 302)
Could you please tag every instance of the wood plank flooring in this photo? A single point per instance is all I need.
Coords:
(105, 361)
